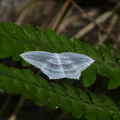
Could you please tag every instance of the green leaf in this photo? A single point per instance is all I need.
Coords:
(31, 34)
(72, 100)
(78, 109)
(109, 59)
(59, 89)
(67, 43)
(79, 46)
(65, 104)
(71, 92)
(104, 115)
(7, 31)
(96, 100)
(14, 41)
(45, 40)
(84, 96)
(20, 34)
(104, 71)
(53, 101)
(116, 53)
(89, 76)
(116, 116)
(4, 47)
(91, 51)
(108, 103)
(114, 79)
(91, 113)
(55, 41)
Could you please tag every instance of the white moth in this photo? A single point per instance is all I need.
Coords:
(58, 65)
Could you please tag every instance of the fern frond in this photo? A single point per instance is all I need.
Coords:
(29, 39)
(74, 100)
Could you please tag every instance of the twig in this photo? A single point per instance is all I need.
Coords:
(25, 12)
(114, 20)
(94, 21)
(5, 105)
(17, 109)
(60, 16)
(102, 18)
(74, 18)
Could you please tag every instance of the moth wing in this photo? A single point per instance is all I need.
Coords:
(57, 66)
(78, 61)
(36, 58)
(46, 62)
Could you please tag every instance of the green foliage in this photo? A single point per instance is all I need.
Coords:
(14, 41)
(68, 98)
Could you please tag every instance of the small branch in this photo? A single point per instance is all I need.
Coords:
(17, 109)
(71, 19)
(6, 103)
(94, 21)
(60, 15)
(114, 20)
